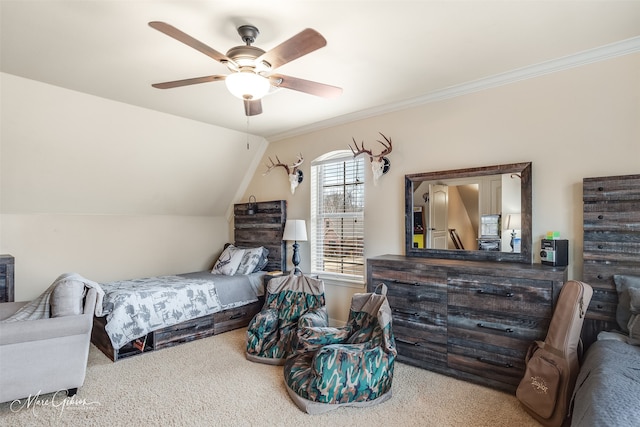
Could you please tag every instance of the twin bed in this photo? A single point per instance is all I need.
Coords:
(147, 314)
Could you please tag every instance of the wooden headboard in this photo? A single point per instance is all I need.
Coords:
(611, 245)
(262, 224)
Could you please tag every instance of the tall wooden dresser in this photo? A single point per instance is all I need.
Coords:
(7, 263)
(473, 320)
(611, 245)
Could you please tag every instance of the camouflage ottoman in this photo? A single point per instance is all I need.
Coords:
(348, 366)
(271, 331)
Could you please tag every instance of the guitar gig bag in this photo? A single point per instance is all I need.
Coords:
(552, 365)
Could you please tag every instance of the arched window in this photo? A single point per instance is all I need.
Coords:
(337, 216)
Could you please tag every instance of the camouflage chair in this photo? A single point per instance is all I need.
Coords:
(348, 366)
(270, 332)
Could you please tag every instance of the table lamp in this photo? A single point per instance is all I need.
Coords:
(295, 230)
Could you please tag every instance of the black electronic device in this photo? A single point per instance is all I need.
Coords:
(554, 252)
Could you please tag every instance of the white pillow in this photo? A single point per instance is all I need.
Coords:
(228, 261)
(67, 298)
(250, 260)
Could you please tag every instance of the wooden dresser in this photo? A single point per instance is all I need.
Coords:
(473, 320)
(611, 245)
(6, 278)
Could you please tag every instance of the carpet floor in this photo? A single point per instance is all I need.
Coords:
(210, 383)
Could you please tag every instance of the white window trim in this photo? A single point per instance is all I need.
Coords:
(338, 279)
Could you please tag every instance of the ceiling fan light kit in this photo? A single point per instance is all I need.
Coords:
(251, 67)
(247, 85)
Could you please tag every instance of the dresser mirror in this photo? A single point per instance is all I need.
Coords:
(473, 214)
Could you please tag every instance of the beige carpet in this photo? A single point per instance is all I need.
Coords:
(209, 382)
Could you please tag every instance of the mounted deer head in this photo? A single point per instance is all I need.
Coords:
(379, 163)
(295, 174)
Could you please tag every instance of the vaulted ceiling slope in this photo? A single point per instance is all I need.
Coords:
(384, 54)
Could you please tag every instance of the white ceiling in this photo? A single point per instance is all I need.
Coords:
(384, 54)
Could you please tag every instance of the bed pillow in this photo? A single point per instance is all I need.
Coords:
(250, 260)
(623, 311)
(67, 298)
(634, 320)
(264, 260)
(228, 261)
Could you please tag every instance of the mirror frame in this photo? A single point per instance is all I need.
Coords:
(524, 256)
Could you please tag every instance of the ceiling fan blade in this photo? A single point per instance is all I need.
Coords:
(299, 45)
(172, 31)
(252, 108)
(187, 82)
(306, 86)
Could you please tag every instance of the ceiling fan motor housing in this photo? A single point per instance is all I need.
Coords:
(245, 56)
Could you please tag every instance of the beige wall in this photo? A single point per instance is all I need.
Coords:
(581, 122)
(74, 197)
(109, 190)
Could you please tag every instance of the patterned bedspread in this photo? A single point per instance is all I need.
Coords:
(139, 306)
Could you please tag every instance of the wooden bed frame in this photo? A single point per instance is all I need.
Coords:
(263, 227)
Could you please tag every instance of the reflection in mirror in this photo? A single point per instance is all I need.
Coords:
(479, 213)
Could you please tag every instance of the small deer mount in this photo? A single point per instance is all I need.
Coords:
(379, 163)
(295, 175)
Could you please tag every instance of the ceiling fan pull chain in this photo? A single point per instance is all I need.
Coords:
(247, 133)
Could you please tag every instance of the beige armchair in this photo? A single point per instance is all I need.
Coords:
(46, 355)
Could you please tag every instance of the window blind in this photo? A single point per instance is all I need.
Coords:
(337, 217)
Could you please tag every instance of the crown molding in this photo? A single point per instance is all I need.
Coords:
(603, 53)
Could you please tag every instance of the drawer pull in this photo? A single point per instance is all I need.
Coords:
(238, 316)
(413, 343)
(496, 294)
(600, 246)
(600, 188)
(416, 284)
(600, 276)
(407, 312)
(599, 306)
(508, 330)
(495, 363)
(600, 216)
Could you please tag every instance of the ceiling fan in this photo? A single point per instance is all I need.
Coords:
(252, 69)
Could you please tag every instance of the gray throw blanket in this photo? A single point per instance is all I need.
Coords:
(40, 307)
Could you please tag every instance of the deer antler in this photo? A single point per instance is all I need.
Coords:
(359, 150)
(290, 169)
(298, 162)
(275, 165)
(387, 148)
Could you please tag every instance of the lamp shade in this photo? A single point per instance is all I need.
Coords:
(513, 222)
(295, 229)
(247, 85)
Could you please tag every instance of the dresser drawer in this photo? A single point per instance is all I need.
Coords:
(514, 296)
(421, 342)
(417, 299)
(476, 328)
(190, 330)
(499, 370)
(235, 318)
